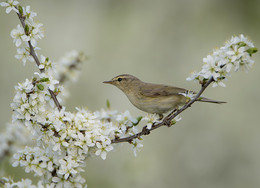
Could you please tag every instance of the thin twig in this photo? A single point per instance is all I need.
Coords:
(71, 67)
(167, 120)
(36, 59)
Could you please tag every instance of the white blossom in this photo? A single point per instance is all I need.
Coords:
(136, 145)
(35, 33)
(150, 119)
(67, 167)
(28, 13)
(10, 5)
(23, 55)
(103, 149)
(188, 94)
(17, 35)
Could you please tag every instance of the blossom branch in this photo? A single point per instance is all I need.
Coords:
(35, 57)
(167, 121)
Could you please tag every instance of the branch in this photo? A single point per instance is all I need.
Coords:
(36, 59)
(167, 120)
(73, 66)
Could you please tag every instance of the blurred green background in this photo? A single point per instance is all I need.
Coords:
(162, 42)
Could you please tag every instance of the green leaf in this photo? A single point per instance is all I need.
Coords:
(108, 104)
(138, 120)
(40, 87)
(44, 79)
(252, 51)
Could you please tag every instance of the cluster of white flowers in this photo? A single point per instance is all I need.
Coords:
(66, 139)
(235, 54)
(68, 69)
(8, 139)
(69, 66)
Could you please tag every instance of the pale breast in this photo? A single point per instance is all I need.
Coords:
(158, 105)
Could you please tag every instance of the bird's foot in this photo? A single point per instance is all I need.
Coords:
(145, 130)
(167, 122)
(160, 117)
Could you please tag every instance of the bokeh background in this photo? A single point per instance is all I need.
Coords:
(159, 41)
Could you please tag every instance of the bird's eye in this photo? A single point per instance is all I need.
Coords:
(119, 79)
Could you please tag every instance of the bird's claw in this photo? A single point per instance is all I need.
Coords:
(167, 122)
(160, 117)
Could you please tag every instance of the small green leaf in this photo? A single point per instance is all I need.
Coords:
(108, 104)
(44, 79)
(47, 59)
(40, 87)
(173, 122)
(20, 9)
(138, 120)
(252, 51)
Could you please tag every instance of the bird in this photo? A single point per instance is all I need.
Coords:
(153, 98)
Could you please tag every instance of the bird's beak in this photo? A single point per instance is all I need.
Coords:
(108, 82)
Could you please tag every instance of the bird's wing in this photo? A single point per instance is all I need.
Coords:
(153, 90)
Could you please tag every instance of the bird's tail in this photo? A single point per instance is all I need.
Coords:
(203, 99)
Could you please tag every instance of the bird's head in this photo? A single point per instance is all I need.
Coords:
(124, 82)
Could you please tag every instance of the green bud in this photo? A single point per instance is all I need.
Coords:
(20, 9)
(40, 87)
(173, 122)
(241, 44)
(44, 79)
(27, 29)
(252, 51)
(138, 120)
(47, 59)
(108, 104)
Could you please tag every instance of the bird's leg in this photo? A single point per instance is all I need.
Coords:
(170, 114)
(160, 117)
(167, 121)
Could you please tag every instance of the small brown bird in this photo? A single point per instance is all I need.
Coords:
(152, 98)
